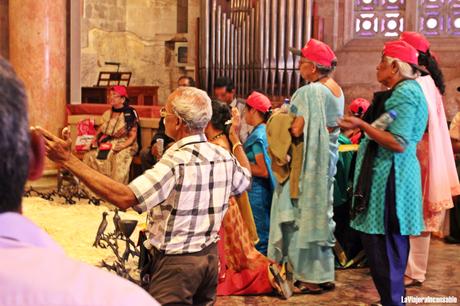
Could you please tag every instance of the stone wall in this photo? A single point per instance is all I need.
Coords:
(357, 59)
(104, 14)
(140, 34)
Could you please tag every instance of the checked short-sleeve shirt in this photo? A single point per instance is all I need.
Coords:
(186, 194)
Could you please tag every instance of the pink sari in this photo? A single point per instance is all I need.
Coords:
(439, 177)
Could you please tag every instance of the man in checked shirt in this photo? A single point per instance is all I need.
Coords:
(186, 194)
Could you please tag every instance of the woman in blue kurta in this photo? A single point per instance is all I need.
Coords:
(257, 111)
(387, 202)
(301, 231)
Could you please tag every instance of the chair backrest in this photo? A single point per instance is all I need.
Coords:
(110, 78)
(144, 111)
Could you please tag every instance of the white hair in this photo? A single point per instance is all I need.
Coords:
(193, 106)
(322, 69)
(405, 70)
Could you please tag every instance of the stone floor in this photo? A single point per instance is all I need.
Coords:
(355, 287)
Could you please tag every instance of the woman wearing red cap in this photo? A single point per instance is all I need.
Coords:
(387, 199)
(439, 178)
(257, 112)
(115, 143)
(302, 229)
(358, 108)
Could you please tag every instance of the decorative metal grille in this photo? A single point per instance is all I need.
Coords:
(378, 18)
(439, 17)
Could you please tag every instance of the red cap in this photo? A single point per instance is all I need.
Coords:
(358, 104)
(416, 40)
(316, 51)
(401, 50)
(121, 90)
(259, 102)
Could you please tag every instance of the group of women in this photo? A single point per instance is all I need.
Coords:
(404, 178)
(296, 234)
(399, 195)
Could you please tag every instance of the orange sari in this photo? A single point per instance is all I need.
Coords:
(243, 270)
(246, 270)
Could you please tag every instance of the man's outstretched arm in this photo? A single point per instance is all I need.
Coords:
(59, 151)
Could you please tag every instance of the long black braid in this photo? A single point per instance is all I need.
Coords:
(427, 60)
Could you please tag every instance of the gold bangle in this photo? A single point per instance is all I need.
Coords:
(235, 146)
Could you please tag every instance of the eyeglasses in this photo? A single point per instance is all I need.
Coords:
(164, 113)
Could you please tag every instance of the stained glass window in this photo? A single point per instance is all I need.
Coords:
(378, 18)
(439, 17)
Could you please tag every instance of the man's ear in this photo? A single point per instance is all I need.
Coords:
(36, 155)
(178, 123)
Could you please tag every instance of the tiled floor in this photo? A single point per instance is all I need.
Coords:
(355, 287)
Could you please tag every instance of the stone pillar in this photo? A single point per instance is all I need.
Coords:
(329, 11)
(37, 50)
(75, 51)
(4, 28)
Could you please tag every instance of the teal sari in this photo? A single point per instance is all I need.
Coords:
(301, 230)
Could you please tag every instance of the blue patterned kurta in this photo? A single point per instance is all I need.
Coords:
(412, 114)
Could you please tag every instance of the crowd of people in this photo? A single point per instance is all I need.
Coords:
(241, 198)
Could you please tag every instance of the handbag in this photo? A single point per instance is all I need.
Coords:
(104, 147)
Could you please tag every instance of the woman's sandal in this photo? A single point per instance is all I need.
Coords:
(308, 288)
(327, 286)
(413, 283)
(280, 283)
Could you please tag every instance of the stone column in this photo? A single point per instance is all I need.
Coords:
(37, 50)
(75, 51)
(329, 10)
(4, 28)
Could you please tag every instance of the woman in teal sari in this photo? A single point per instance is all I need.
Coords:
(257, 111)
(301, 231)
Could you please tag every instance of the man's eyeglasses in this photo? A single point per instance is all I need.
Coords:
(164, 113)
